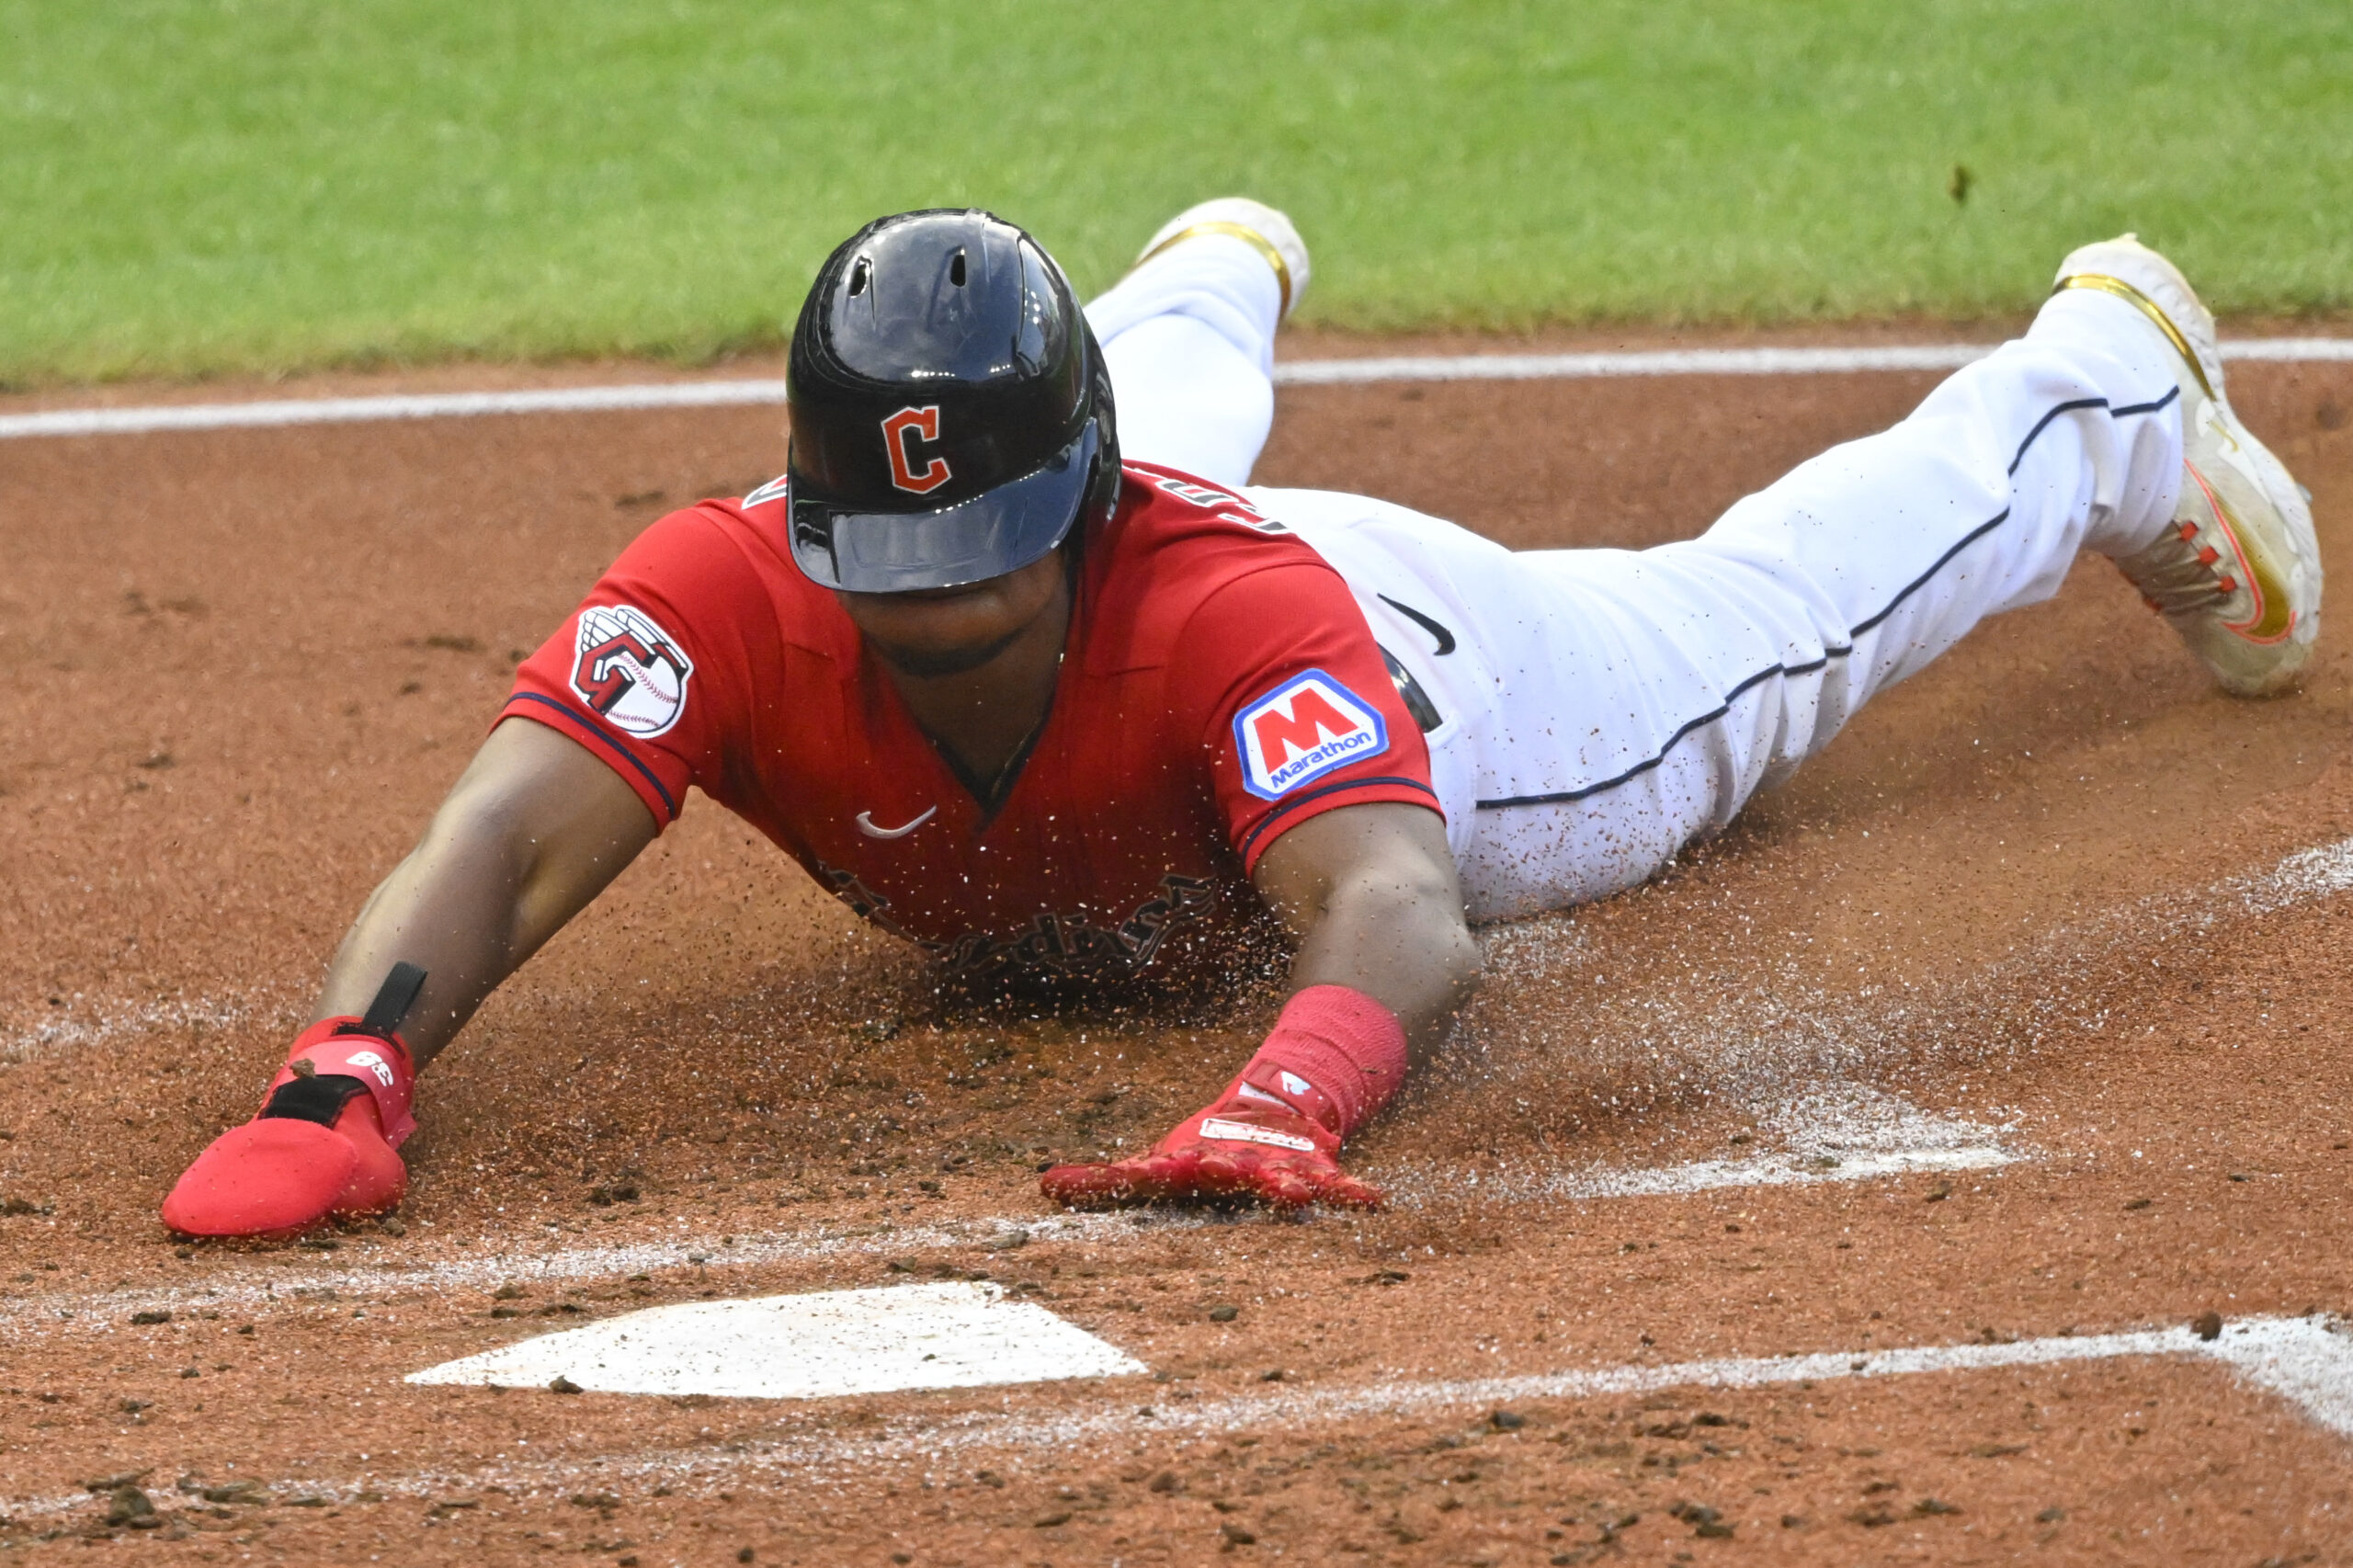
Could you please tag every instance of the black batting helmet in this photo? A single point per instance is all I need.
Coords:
(951, 414)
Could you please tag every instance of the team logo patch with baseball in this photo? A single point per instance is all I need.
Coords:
(629, 671)
(1304, 729)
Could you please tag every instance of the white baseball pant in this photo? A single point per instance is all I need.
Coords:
(1603, 708)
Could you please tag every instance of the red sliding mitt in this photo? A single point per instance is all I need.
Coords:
(323, 1142)
(1334, 1057)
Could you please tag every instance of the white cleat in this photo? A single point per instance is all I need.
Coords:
(1255, 224)
(2237, 572)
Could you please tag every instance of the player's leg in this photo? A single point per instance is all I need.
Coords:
(1190, 335)
(1667, 684)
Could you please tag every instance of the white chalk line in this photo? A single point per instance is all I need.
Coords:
(152, 418)
(64, 1032)
(1869, 1136)
(1873, 1136)
(257, 1291)
(2307, 1361)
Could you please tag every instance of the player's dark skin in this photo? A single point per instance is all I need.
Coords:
(537, 826)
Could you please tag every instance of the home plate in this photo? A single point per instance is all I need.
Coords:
(817, 1345)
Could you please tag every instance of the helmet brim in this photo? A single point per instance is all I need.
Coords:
(863, 551)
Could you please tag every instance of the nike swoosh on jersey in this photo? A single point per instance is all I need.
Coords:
(866, 825)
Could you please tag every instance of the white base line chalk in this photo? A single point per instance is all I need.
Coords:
(1309, 372)
(821, 1345)
(1845, 1133)
(2307, 1361)
(1775, 1170)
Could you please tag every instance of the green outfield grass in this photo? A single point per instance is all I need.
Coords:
(192, 186)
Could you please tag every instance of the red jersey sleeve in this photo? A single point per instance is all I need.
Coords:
(651, 672)
(1298, 713)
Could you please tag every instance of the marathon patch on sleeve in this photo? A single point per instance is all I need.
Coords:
(1304, 729)
(629, 671)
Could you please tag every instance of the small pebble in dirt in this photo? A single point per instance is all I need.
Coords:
(128, 1505)
(989, 1478)
(116, 1483)
(2050, 1516)
(392, 1225)
(2134, 1203)
(1506, 1420)
(183, 1254)
(191, 1371)
(903, 1557)
(1236, 1536)
(1928, 1506)
(562, 1384)
(1051, 1520)
(1793, 1521)
(1875, 1516)
(2207, 1326)
(1166, 1482)
(629, 1561)
(1276, 1376)
(508, 1293)
(145, 1320)
(1224, 1315)
(744, 1555)
(1938, 1195)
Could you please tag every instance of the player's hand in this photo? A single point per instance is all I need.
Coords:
(1238, 1148)
(321, 1146)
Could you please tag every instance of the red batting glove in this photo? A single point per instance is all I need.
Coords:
(323, 1144)
(1243, 1146)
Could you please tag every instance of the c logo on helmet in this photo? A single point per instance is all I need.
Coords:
(908, 422)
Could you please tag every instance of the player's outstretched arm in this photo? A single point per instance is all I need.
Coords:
(1372, 896)
(536, 827)
(534, 830)
(1385, 960)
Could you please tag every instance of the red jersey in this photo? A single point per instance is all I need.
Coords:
(1218, 686)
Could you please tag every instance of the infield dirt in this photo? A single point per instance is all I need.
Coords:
(2018, 892)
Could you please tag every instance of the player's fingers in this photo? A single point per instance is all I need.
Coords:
(1148, 1178)
(1281, 1186)
(1096, 1187)
(1341, 1190)
(1216, 1173)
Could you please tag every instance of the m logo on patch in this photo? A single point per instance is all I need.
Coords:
(629, 670)
(1302, 730)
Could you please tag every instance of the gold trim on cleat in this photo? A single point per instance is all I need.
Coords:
(2147, 307)
(2271, 618)
(1249, 236)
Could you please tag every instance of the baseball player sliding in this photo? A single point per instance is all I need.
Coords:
(1054, 695)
